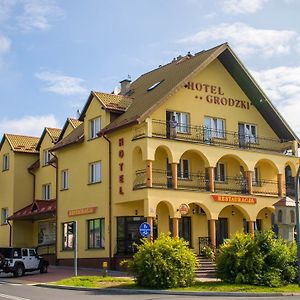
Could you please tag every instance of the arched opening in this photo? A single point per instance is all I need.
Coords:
(289, 181)
(163, 217)
(138, 168)
(264, 219)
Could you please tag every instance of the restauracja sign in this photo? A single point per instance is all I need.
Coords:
(215, 95)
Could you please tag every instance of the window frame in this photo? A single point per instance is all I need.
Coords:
(47, 156)
(248, 138)
(46, 191)
(93, 129)
(211, 127)
(5, 162)
(65, 230)
(4, 215)
(92, 174)
(218, 175)
(93, 245)
(64, 180)
(181, 174)
(256, 177)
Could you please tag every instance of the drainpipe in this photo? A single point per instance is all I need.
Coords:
(10, 233)
(33, 194)
(109, 204)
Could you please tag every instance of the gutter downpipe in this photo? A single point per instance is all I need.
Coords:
(33, 194)
(10, 233)
(297, 220)
(109, 204)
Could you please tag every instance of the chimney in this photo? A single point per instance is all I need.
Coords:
(125, 86)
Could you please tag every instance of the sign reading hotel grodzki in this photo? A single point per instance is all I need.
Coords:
(234, 199)
(82, 211)
(215, 95)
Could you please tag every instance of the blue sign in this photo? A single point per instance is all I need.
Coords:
(145, 229)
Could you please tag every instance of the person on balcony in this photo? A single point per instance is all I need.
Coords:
(173, 127)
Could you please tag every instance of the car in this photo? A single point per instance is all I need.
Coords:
(18, 260)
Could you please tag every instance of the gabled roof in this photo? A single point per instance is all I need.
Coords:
(73, 122)
(286, 202)
(76, 136)
(53, 133)
(21, 143)
(112, 102)
(152, 89)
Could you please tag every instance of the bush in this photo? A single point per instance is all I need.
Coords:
(208, 252)
(165, 263)
(264, 260)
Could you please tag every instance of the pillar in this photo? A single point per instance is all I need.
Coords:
(175, 227)
(280, 185)
(295, 148)
(251, 227)
(150, 221)
(149, 173)
(174, 175)
(213, 239)
(249, 175)
(211, 178)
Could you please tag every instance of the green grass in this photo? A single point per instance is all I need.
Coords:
(216, 286)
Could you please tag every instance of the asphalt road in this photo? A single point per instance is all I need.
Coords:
(17, 291)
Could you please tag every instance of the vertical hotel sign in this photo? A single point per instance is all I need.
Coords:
(121, 165)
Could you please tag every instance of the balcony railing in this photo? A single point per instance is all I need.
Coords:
(199, 182)
(204, 135)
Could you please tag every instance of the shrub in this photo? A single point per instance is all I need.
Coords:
(208, 252)
(262, 260)
(165, 263)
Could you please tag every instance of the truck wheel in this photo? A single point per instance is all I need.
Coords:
(19, 271)
(44, 268)
(2, 260)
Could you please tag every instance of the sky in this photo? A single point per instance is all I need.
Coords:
(54, 52)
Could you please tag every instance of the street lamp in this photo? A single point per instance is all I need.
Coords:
(297, 221)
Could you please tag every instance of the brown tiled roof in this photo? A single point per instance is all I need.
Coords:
(54, 133)
(154, 87)
(74, 122)
(114, 102)
(285, 201)
(21, 143)
(76, 136)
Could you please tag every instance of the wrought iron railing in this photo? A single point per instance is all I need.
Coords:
(265, 187)
(194, 181)
(205, 135)
(205, 242)
(233, 184)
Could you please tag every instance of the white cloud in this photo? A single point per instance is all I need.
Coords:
(282, 86)
(62, 84)
(38, 14)
(246, 39)
(4, 44)
(241, 6)
(28, 125)
(6, 7)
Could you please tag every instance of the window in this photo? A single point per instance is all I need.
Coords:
(95, 126)
(4, 215)
(64, 179)
(95, 172)
(292, 215)
(256, 176)
(46, 191)
(183, 121)
(214, 128)
(47, 157)
(96, 233)
(68, 235)
(247, 133)
(220, 172)
(5, 162)
(280, 216)
(183, 169)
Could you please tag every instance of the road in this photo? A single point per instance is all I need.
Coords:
(18, 291)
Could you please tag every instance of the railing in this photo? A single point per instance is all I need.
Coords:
(265, 187)
(204, 135)
(205, 242)
(234, 184)
(193, 181)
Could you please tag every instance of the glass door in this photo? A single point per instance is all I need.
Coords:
(222, 230)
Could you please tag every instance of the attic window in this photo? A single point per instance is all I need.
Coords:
(153, 86)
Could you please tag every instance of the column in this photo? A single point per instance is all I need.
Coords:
(249, 175)
(251, 227)
(212, 227)
(150, 221)
(280, 185)
(175, 227)
(174, 175)
(149, 173)
(211, 178)
(295, 148)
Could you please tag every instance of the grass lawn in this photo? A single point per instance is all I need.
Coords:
(113, 282)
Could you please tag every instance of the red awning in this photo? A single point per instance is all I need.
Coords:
(39, 209)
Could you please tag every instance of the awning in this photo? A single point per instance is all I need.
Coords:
(38, 210)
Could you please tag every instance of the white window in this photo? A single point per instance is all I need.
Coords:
(256, 176)
(95, 127)
(4, 215)
(247, 133)
(220, 173)
(46, 191)
(95, 172)
(214, 127)
(64, 179)
(183, 121)
(5, 162)
(183, 169)
(47, 157)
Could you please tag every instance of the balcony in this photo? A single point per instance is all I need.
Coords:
(207, 136)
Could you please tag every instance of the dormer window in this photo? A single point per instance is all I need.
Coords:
(47, 156)
(94, 127)
(153, 86)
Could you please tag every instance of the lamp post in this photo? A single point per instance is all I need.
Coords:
(297, 221)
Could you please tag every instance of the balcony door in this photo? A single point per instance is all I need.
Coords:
(247, 134)
(221, 230)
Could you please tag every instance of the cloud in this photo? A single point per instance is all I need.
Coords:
(6, 7)
(38, 14)
(4, 44)
(28, 125)
(246, 39)
(62, 84)
(241, 6)
(282, 86)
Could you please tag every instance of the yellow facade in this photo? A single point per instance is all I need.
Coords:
(204, 183)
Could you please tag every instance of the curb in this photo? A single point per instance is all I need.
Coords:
(114, 291)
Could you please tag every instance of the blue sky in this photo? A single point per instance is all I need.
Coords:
(52, 53)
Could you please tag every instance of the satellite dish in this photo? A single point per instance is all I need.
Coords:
(117, 90)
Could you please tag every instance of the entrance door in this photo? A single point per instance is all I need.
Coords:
(222, 230)
(185, 228)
